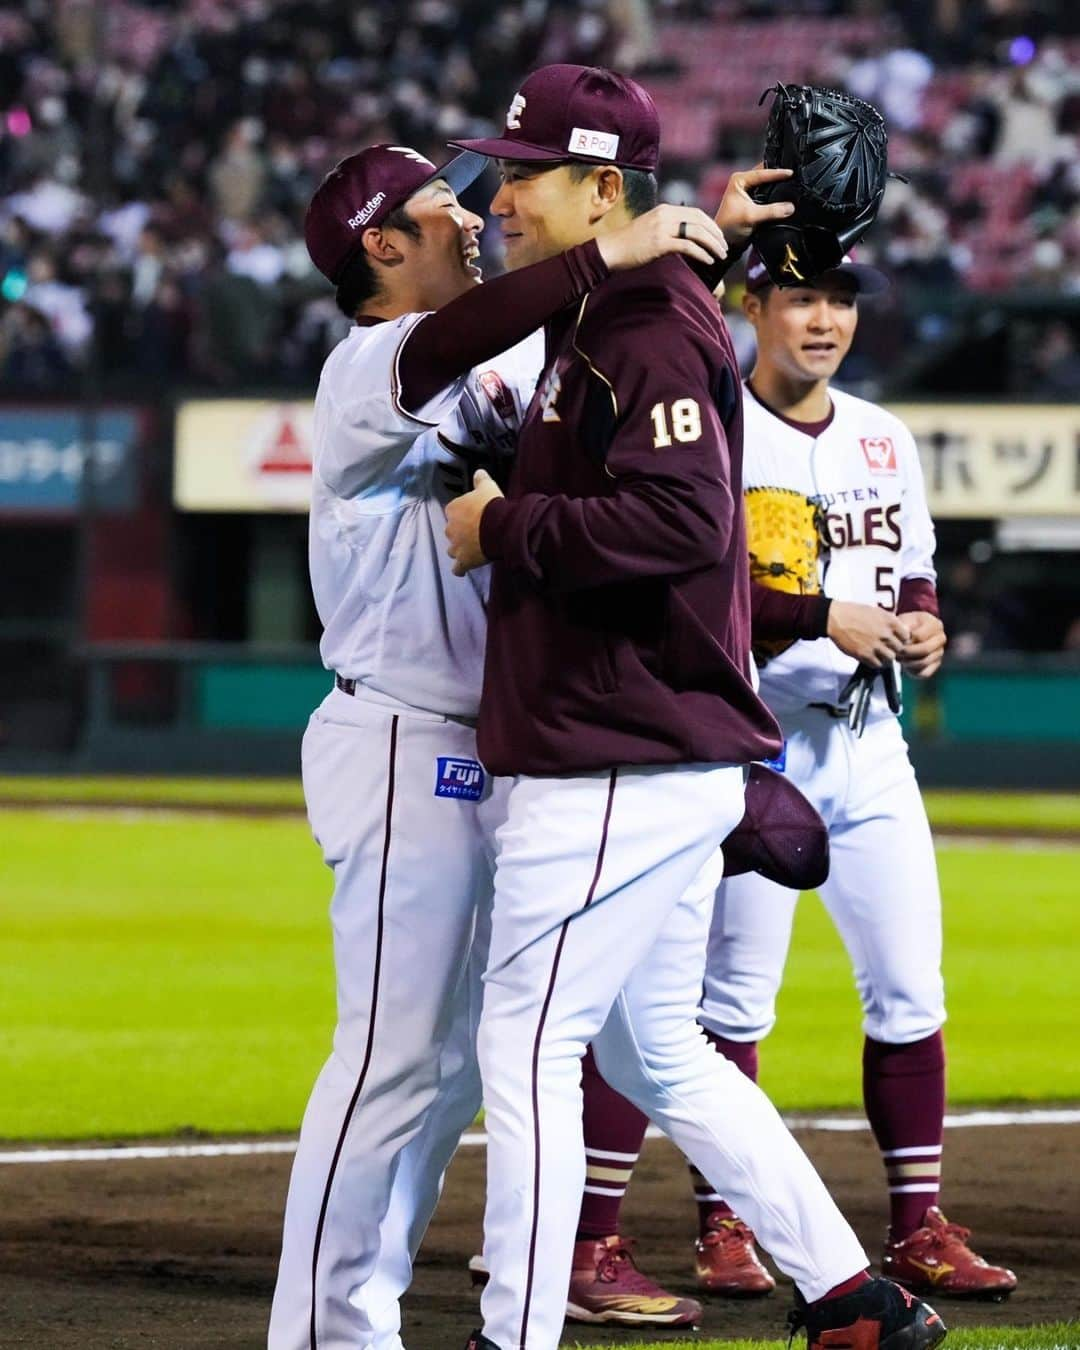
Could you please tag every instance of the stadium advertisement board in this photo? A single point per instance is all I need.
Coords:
(43, 458)
(243, 455)
(997, 460)
(979, 460)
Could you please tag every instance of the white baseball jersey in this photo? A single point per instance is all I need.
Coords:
(882, 890)
(864, 472)
(395, 618)
(405, 816)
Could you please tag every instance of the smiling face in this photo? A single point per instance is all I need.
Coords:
(444, 258)
(803, 333)
(542, 211)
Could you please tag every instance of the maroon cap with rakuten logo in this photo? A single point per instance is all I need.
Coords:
(360, 192)
(865, 280)
(577, 112)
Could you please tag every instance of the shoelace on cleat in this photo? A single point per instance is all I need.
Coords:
(732, 1233)
(943, 1236)
(956, 1232)
(618, 1264)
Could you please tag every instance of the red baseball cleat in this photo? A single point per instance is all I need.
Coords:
(606, 1286)
(936, 1257)
(728, 1264)
(879, 1315)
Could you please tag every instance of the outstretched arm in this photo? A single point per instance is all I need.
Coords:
(488, 319)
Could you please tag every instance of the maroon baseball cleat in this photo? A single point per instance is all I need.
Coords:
(936, 1257)
(606, 1286)
(879, 1315)
(728, 1264)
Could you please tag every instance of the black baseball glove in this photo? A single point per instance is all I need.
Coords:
(836, 146)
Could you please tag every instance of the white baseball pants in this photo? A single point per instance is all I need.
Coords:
(412, 866)
(882, 891)
(603, 894)
(421, 1167)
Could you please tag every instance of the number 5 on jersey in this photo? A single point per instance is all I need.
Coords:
(684, 422)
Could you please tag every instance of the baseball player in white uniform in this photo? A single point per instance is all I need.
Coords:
(860, 465)
(396, 796)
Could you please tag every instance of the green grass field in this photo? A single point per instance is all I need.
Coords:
(167, 973)
(1054, 1336)
(979, 810)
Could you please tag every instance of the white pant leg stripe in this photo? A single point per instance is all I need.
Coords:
(523, 1335)
(370, 1038)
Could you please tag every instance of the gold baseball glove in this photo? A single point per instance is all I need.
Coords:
(783, 535)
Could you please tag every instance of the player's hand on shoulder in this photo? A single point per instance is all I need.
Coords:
(665, 229)
(463, 523)
(923, 654)
(867, 632)
(739, 213)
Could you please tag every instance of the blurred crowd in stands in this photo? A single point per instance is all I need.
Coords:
(156, 157)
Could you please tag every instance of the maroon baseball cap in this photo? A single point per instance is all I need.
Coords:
(781, 836)
(361, 191)
(566, 112)
(867, 280)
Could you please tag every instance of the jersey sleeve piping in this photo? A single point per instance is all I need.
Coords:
(588, 360)
(395, 379)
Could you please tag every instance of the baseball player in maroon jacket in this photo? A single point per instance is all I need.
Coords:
(617, 699)
(877, 598)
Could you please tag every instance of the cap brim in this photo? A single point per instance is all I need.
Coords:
(517, 151)
(460, 172)
(868, 280)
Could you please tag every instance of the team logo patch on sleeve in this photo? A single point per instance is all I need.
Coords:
(460, 778)
(880, 453)
(502, 400)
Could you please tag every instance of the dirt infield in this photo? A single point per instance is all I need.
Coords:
(180, 1253)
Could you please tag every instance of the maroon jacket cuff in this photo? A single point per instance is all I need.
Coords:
(586, 265)
(777, 614)
(917, 593)
(493, 520)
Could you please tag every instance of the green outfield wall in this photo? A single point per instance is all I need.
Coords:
(227, 708)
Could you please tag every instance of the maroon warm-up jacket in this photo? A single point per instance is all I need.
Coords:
(619, 619)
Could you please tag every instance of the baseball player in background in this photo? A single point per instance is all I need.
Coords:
(858, 465)
(396, 796)
(617, 696)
